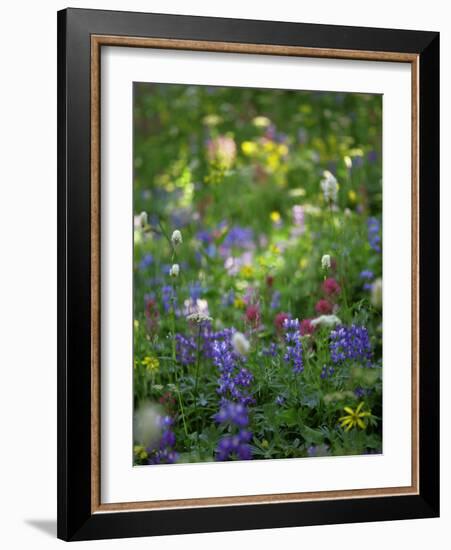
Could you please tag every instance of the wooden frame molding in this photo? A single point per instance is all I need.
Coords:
(97, 41)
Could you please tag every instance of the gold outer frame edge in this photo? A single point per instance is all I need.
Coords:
(97, 41)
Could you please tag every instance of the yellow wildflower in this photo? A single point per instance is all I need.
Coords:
(247, 271)
(249, 148)
(269, 146)
(140, 452)
(282, 150)
(354, 418)
(151, 363)
(352, 196)
(275, 216)
(261, 121)
(239, 303)
(273, 161)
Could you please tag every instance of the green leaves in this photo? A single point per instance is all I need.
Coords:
(312, 436)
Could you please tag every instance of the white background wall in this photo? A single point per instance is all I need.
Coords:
(28, 271)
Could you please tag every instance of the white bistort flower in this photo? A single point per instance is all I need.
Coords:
(174, 271)
(325, 261)
(145, 422)
(195, 306)
(329, 186)
(326, 321)
(176, 238)
(376, 293)
(240, 343)
(140, 221)
(199, 317)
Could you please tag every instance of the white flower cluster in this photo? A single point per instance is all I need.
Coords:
(240, 343)
(176, 238)
(376, 293)
(140, 221)
(199, 317)
(325, 261)
(329, 187)
(326, 321)
(174, 271)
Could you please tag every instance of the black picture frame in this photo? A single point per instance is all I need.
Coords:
(76, 520)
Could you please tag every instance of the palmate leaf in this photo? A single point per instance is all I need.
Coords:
(311, 400)
(312, 436)
(287, 417)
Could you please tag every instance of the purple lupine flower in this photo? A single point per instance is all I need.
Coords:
(242, 237)
(146, 261)
(196, 290)
(318, 450)
(233, 413)
(164, 452)
(359, 392)
(244, 377)
(357, 162)
(204, 236)
(326, 372)
(275, 300)
(350, 343)
(167, 439)
(373, 234)
(233, 381)
(210, 336)
(372, 156)
(271, 350)
(186, 349)
(280, 400)
(166, 456)
(228, 298)
(367, 276)
(155, 281)
(167, 297)
(233, 446)
(293, 351)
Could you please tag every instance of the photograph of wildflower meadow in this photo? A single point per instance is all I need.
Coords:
(257, 274)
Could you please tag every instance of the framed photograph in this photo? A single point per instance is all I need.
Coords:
(248, 274)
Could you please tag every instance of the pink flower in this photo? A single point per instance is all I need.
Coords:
(331, 287)
(279, 320)
(324, 307)
(152, 314)
(222, 149)
(253, 314)
(306, 327)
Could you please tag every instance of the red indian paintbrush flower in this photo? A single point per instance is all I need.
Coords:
(253, 314)
(324, 307)
(279, 320)
(331, 287)
(306, 327)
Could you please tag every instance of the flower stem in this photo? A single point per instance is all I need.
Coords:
(174, 359)
(197, 380)
(182, 411)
